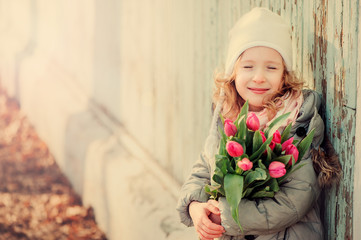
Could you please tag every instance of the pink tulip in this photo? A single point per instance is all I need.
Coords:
(263, 136)
(276, 137)
(252, 122)
(229, 128)
(276, 169)
(285, 144)
(272, 145)
(245, 164)
(234, 149)
(292, 150)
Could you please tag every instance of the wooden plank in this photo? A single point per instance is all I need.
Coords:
(357, 167)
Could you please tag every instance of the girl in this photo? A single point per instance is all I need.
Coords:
(259, 69)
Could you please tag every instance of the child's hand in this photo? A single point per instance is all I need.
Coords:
(202, 215)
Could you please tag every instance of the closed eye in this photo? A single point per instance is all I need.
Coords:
(247, 66)
(272, 68)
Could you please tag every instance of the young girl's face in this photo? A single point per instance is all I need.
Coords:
(259, 74)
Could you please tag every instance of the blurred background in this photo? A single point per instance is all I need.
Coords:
(121, 92)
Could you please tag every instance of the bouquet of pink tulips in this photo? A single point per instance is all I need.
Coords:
(252, 163)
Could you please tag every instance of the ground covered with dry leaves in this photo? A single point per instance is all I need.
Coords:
(36, 199)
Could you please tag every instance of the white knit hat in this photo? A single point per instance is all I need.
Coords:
(259, 27)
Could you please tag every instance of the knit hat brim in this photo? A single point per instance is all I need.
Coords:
(259, 27)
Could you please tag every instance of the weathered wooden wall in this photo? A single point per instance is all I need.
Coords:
(325, 41)
(334, 61)
(147, 67)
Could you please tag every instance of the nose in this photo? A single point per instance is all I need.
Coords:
(259, 76)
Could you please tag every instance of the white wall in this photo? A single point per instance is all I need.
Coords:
(109, 86)
(62, 60)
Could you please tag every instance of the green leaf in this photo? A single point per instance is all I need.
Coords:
(305, 144)
(286, 133)
(231, 168)
(259, 184)
(269, 154)
(283, 159)
(292, 160)
(244, 109)
(242, 131)
(249, 139)
(262, 194)
(222, 147)
(255, 175)
(212, 187)
(218, 176)
(247, 192)
(219, 157)
(233, 186)
(222, 165)
(238, 120)
(274, 185)
(222, 118)
(278, 149)
(257, 141)
(223, 140)
(241, 122)
(212, 190)
(260, 151)
(261, 165)
(276, 124)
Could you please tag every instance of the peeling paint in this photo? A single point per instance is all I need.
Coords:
(331, 57)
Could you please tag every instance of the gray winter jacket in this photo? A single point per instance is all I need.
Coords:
(293, 213)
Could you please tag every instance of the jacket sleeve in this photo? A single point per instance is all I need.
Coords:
(193, 189)
(295, 199)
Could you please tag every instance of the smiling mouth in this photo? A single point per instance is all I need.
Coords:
(258, 90)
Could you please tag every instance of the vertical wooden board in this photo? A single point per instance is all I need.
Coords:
(162, 77)
(137, 63)
(235, 9)
(183, 108)
(174, 123)
(357, 168)
(297, 35)
(342, 222)
(194, 92)
(146, 80)
(170, 105)
(340, 136)
(308, 31)
(348, 41)
(315, 52)
(130, 64)
(201, 105)
(327, 70)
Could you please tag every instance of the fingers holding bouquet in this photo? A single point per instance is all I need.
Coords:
(206, 219)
